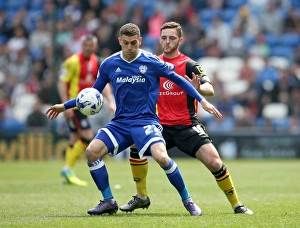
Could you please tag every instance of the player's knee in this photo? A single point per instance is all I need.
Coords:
(163, 160)
(85, 141)
(91, 154)
(216, 164)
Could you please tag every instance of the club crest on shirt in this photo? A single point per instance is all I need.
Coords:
(170, 66)
(143, 69)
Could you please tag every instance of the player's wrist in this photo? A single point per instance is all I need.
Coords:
(70, 104)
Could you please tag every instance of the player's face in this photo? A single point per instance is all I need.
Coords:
(130, 46)
(88, 47)
(169, 41)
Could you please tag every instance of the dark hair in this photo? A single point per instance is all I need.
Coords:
(172, 25)
(130, 29)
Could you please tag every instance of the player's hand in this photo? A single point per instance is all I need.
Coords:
(210, 108)
(54, 110)
(195, 81)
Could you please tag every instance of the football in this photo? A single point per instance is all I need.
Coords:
(89, 101)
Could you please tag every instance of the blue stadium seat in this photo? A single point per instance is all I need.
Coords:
(228, 14)
(3, 5)
(3, 39)
(36, 5)
(207, 15)
(295, 3)
(16, 4)
(235, 3)
(271, 39)
(290, 39)
(284, 51)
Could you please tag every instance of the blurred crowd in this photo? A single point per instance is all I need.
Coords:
(250, 50)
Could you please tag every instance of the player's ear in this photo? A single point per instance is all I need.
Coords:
(181, 40)
(140, 41)
(119, 39)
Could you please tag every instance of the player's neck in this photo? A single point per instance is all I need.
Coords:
(171, 55)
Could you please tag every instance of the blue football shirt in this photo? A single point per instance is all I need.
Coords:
(136, 83)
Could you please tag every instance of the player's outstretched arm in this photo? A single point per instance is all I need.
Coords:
(210, 108)
(54, 110)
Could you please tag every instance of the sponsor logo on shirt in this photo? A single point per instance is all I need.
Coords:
(133, 79)
(168, 86)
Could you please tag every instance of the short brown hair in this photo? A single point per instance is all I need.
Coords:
(172, 25)
(130, 29)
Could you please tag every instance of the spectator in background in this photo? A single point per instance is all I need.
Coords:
(8, 124)
(96, 5)
(271, 19)
(48, 86)
(246, 22)
(136, 15)
(18, 41)
(219, 33)
(259, 47)
(166, 7)
(237, 44)
(267, 81)
(39, 39)
(37, 120)
(195, 42)
(73, 10)
(292, 21)
(20, 65)
(4, 60)
(63, 33)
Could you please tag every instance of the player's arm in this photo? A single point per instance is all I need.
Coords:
(107, 93)
(199, 79)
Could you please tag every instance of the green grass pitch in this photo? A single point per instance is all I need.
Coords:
(32, 195)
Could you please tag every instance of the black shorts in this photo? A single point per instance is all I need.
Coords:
(188, 139)
(79, 121)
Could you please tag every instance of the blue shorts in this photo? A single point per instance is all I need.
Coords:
(119, 135)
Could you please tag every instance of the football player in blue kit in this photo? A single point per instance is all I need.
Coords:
(134, 75)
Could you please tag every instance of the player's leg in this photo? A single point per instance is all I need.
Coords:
(105, 140)
(211, 159)
(195, 142)
(95, 152)
(80, 136)
(139, 169)
(159, 153)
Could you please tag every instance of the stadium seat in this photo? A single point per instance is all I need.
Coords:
(232, 63)
(236, 87)
(208, 14)
(295, 3)
(257, 63)
(235, 3)
(228, 15)
(227, 75)
(283, 51)
(281, 63)
(36, 5)
(289, 39)
(3, 5)
(16, 4)
(271, 39)
(275, 111)
(209, 64)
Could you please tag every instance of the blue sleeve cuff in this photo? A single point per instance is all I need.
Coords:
(70, 103)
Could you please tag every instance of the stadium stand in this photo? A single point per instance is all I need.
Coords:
(277, 51)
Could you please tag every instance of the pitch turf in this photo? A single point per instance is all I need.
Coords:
(32, 195)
